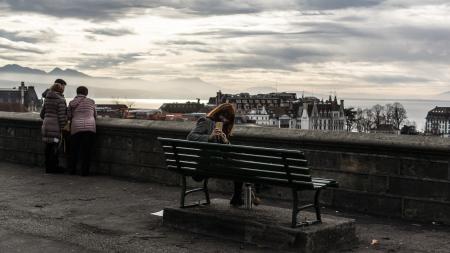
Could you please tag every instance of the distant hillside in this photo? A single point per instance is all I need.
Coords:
(14, 68)
(17, 69)
(106, 87)
(66, 72)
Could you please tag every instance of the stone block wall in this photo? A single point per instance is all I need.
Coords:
(395, 176)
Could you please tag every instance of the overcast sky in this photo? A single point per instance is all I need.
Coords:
(391, 48)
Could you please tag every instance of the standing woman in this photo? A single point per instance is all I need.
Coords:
(54, 114)
(206, 131)
(82, 115)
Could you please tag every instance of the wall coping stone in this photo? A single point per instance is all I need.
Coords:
(338, 140)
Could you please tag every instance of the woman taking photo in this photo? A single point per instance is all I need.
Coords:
(217, 127)
(82, 115)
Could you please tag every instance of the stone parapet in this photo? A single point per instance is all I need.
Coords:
(396, 176)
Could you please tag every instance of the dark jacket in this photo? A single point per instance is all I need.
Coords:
(202, 130)
(54, 114)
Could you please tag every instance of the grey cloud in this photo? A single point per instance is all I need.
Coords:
(325, 29)
(12, 57)
(36, 36)
(248, 62)
(266, 57)
(19, 46)
(110, 31)
(395, 79)
(112, 9)
(338, 4)
(98, 61)
(232, 33)
(182, 42)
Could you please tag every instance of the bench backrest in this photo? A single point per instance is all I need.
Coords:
(281, 167)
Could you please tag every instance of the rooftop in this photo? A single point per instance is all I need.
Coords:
(62, 213)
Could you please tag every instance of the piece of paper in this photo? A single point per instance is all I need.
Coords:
(160, 213)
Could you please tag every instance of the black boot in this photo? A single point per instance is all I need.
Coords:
(237, 200)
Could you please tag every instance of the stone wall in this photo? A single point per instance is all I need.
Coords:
(396, 176)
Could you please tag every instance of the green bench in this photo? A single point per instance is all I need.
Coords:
(268, 166)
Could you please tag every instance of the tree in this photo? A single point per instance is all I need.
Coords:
(359, 120)
(378, 111)
(350, 118)
(368, 119)
(388, 112)
(398, 114)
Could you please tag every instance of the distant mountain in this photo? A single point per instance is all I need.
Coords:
(104, 87)
(17, 69)
(66, 72)
(14, 68)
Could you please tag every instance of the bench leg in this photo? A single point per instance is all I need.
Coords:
(317, 205)
(296, 210)
(185, 192)
(205, 189)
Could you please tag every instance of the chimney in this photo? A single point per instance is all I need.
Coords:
(22, 93)
(198, 100)
(219, 97)
(342, 102)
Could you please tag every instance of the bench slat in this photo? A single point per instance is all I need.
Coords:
(188, 151)
(190, 164)
(265, 159)
(275, 168)
(262, 180)
(248, 173)
(234, 148)
(188, 171)
(183, 157)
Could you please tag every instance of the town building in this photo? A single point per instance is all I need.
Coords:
(112, 110)
(188, 107)
(285, 110)
(438, 121)
(20, 99)
(319, 115)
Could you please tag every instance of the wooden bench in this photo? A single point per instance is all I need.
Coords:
(269, 166)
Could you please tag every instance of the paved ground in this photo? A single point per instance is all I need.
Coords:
(62, 213)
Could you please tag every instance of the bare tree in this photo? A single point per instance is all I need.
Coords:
(350, 118)
(368, 120)
(398, 114)
(359, 120)
(378, 114)
(388, 113)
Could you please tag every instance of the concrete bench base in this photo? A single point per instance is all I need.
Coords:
(264, 226)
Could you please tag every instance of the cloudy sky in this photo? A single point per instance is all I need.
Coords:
(387, 48)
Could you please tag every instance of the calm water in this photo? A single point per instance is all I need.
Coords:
(416, 109)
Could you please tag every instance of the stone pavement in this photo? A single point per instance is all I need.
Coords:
(63, 213)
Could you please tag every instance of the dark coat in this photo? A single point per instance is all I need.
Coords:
(54, 114)
(202, 130)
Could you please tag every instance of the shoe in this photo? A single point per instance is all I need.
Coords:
(236, 201)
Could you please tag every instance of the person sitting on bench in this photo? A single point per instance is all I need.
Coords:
(217, 127)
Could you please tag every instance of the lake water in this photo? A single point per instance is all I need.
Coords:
(416, 109)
